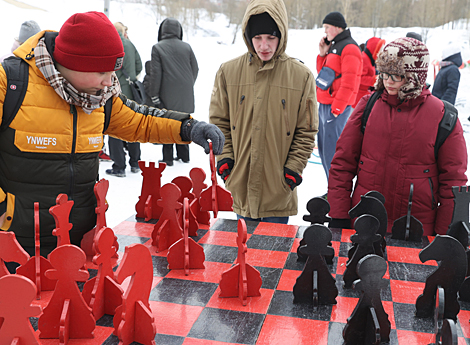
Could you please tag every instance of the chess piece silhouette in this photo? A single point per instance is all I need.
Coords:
(316, 284)
(449, 275)
(368, 322)
(371, 203)
(16, 294)
(67, 261)
(366, 234)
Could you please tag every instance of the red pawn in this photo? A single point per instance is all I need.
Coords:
(242, 279)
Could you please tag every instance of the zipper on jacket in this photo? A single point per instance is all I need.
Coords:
(73, 111)
(286, 118)
(432, 194)
(238, 112)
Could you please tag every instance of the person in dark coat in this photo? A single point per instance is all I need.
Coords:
(447, 80)
(397, 147)
(173, 72)
(131, 66)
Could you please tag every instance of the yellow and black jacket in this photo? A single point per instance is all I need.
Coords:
(51, 147)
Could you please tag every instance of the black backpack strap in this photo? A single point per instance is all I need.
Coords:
(370, 104)
(446, 126)
(107, 113)
(17, 72)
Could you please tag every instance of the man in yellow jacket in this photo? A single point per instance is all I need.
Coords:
(52, 144)
(265, 104)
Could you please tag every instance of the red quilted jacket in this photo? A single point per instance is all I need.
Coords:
(344, 57)
(397, 149)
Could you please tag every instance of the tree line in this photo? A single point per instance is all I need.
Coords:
(309, 14)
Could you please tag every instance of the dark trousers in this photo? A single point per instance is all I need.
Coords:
(182, 152)
(117, 154)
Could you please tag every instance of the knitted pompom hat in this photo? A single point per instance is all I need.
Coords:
(89, 42)
(408, 57)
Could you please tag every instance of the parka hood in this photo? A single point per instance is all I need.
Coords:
(277, 10)
(456, 59)
(170, 28)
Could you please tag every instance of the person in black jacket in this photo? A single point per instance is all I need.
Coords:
(173, 72)
(131, 67)
(447, 80)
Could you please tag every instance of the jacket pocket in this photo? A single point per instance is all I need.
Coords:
(10, 199)
(237, 114)
(425, 183)
(286, 116)
(366, 172)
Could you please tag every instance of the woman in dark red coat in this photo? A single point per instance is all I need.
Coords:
(397, 147)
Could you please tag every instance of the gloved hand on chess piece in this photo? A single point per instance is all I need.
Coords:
(200, 132)
(340, 223)
(224, 168)
(292, 178)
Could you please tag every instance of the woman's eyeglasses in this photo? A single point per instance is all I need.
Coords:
(395, 77)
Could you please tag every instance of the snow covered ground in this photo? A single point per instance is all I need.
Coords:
(211, 42)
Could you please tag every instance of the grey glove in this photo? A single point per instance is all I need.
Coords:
(200, 131)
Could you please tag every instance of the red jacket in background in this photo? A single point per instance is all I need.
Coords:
(344, 57)
(397, 149)
(369, 55)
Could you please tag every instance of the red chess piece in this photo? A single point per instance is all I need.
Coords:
(133, 320)
(36, 266)
(215, 198)
(168, 229)
(185, 185)
(185, 253)
(151, 184)
(102, 294)
(16, 295)
(242, 279)
(10, 250)
(198, 176)
(100, 189)
(61, 213)
(67, 261)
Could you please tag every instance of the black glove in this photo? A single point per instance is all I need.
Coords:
(340, 223)
(199, 132)
(224, 168)
(292, 178)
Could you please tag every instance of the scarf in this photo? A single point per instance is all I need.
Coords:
(445, 63)
(67, 91)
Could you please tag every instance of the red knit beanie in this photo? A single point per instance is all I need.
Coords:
(89, 42)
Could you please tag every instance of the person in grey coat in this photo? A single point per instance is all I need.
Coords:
(173, 72)
(131, 67)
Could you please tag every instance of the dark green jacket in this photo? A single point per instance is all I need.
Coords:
(132, 64)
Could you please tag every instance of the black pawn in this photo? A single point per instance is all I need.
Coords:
(318, 209)
(316, 285)
(368, 323)
(366, 227)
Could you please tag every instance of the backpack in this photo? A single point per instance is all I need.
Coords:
(17, 72)
(446, 126)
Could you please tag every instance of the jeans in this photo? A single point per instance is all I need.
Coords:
(281, 220)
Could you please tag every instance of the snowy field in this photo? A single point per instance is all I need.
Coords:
(212, 45)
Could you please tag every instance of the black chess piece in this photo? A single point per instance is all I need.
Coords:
(461, 202)
(408, 228)
(449, 275)
(371, 203)
(318, 209)
(445, 330)
(368, 323)
(366, 234)
(316, 285)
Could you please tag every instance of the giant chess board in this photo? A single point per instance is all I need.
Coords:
(187, 309)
